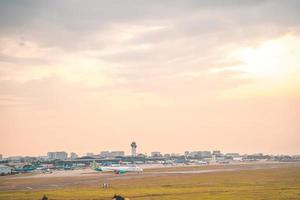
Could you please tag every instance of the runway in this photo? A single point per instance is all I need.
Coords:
(90, 178)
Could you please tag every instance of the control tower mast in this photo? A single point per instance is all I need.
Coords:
(133, 149)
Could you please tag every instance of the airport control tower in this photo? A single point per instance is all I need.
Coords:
(133, 149)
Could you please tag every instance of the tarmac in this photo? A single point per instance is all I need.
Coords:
(90, 178)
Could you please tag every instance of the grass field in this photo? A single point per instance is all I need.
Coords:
(262, 184)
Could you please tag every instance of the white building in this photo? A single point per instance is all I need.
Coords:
(5, 170)
(59, 155)
(90, 154)
(15, 158)
(73, 155)
(42, 158)
(200, 154)
(117, 153)
(105, 154)
(112, 154)
(51, 155)
(156, 154)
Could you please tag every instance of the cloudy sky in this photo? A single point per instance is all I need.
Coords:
(87, 76)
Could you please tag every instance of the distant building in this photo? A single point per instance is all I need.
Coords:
(233, 155)
(61, 155)
(133, 149)
(186, 153)
(73, 155)
(217, 153)
(296, 157)
(58, 155)
(105, 154)
(51, 155)
(205, 154)
(15, 158)
(142, 155)
(193, 154)
(117, 154)
(200, 154)
(90, 154)
(42, 158)
(29, 159)
(156, 154)
(1, 157)
(167, 155)
(5, 170)
(112, 154)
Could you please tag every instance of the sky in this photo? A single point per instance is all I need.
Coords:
(88, 76)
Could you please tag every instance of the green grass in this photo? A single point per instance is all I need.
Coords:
(266, 184)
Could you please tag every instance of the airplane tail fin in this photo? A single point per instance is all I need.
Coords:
(94, 165)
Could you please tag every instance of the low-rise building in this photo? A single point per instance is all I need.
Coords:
(58, 155)
(104, 154)
(15, 159)
(73, 155)
(167, 155)
(42, 158)
(61, 155)
(175, 154)
(200, 154)
(233, 155)
(156, 154)
(51, 155)
(112, 154)
(117, 154)
(90, 154)
(217, 153)
(186, 153)
(5, 170)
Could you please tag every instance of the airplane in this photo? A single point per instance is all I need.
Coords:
(223, 162)
(200, 162)
(25, 168)
(47, 171)
(116, 169)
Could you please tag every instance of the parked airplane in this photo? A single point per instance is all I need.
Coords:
(116, 169)
(200, 162)
(25, 168)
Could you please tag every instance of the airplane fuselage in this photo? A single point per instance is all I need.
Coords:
(116, 169)
(122, 169)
